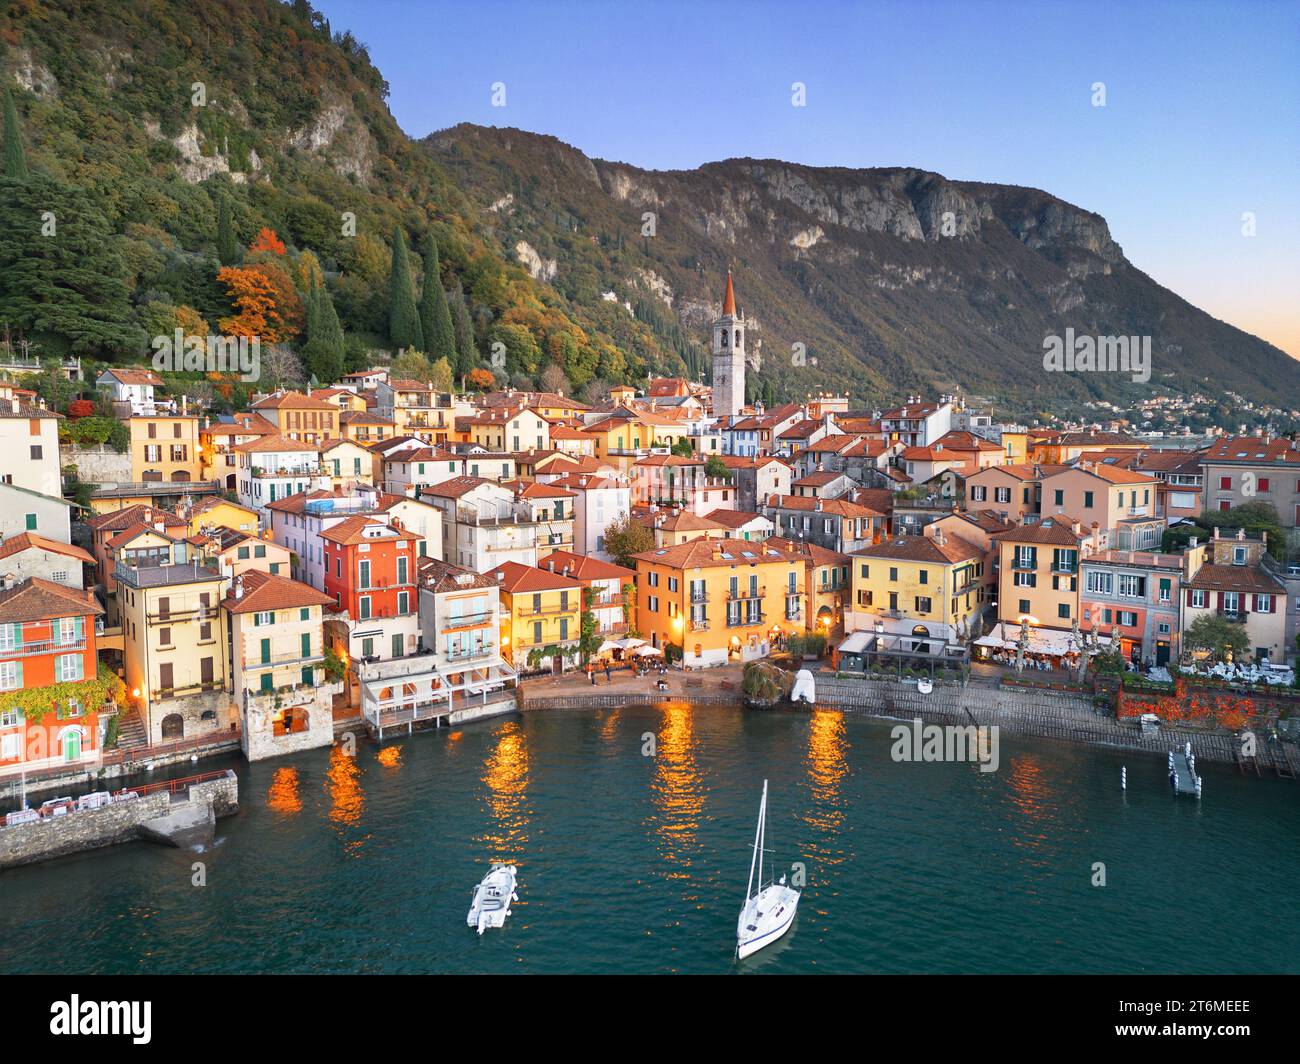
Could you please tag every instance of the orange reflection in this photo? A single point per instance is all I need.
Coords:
(506, 775)
(282, 796)
(1030, 792)
(346, 796)
(827, 768)
(390, 756)
(676, 787)
(609, 726)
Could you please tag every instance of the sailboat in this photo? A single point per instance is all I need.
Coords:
(768, 914)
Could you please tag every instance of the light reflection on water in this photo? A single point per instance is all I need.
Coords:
(634, 864)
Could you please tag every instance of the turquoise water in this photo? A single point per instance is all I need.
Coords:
(629, 863)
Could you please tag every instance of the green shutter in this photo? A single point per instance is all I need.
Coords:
(306, 644)
(266, 651)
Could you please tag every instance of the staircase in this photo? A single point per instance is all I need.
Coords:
(130, 729)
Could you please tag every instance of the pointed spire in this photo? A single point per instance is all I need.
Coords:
(729, 300)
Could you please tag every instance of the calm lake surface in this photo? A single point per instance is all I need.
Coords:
(629, 863)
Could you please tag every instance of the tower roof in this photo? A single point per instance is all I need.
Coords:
(729, 300)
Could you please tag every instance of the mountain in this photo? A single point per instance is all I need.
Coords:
(174, 142)
(857, 265)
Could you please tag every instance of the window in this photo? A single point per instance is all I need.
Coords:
(925, 576)
(1238, 555)
(31, 522)
(1196, 599)
(1063, 610)
(1087, 500)
(1100, 583)
(978, 493)
(1225, 483)
(1002, 494)
(893, 574)
(1060, 497)
(36, 452)
(922, 604)
(11, 675)
(364, 607)
(68, 667)
(1024, 605)
(164, 637)
(1131, 586)
(403, 602)
(304, 614)
(263, 618)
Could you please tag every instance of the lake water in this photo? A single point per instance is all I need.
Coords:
(634, 863)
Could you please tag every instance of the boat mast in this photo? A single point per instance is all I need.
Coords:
(758, 846)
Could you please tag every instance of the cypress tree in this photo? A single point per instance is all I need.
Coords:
(15, 158)
(466, 351)
(403, 319)
(435, 317)
(324, 351)
(228, 250)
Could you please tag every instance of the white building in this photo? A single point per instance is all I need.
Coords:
(275, 467)
(598, 503)
(130, 384)
(481, 525)
(29, 446)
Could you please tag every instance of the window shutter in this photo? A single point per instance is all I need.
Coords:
(1220, 600)
(79, 630)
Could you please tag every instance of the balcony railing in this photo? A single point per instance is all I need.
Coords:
(278, 660)
(478, 653)
(468, 620)
(699, 596)
(177, 692)
(743, 593)
(41, 646)
(746, 620)
(699, 624)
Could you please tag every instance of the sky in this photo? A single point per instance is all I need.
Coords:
(1198, 141)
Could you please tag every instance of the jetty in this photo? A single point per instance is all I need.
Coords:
(1182, 772)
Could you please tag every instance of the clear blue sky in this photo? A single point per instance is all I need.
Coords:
(1201, 123)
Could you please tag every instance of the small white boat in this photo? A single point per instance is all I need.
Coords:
(492, 898)
(925, 685)
(767, 915)
(804, 690)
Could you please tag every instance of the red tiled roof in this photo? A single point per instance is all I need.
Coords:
(264, 592)
(42, 600)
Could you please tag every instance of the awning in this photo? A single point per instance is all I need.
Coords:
(1041, 641)
(856, 643)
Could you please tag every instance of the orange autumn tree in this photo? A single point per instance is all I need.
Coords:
(262, 307)
(266, 240)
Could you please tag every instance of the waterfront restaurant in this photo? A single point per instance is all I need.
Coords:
(878, 650)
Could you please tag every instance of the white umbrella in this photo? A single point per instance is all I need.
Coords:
(628, 644)
(608, 645)
(647, 651)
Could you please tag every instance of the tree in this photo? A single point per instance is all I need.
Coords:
(254, 298)
(683, 447)
(15, 158)
(589, 639)
(441, 376)
(625, 537)
(555, 380)
(435, 316)
(281, 365)
(1219, 636)
(403, 320)
(266, 240)
(717, 468)
(61, 269)
(466, 350)
(229, 253)
(410, 366)
(1253, 517)
(325, 348)
(481, 379)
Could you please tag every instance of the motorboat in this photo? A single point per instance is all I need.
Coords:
(492, 897)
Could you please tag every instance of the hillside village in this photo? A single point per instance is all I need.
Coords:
(378, 552)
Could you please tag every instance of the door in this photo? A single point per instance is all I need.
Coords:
(1162, 654)
(165, 676)
(72, 746)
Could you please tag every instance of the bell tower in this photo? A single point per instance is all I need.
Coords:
(728, 357)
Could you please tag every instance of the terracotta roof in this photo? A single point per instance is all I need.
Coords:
(669, 521)
(528, 490)
(363, 417)
(209, 501)
(454, 488)
(800, 430)
(296, 400)
(879, 499)
(133, 375)
(352, 530)
(438, 575)
(923, 549)
(818, 479)
(264, 592)
(33, 541)
(584, 567)
(1112, 474)
(1251, 578)
(1096, 440)
(1049, 530)
(138, 529)
(814, 553)
(275, 443)
(1251, 450)
(733, 518)
(517, 579)
(839, 507)
(137, 513)
(702, 553)
(42, 600)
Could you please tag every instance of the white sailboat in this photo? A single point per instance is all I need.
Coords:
(768, 914)
(492, 898)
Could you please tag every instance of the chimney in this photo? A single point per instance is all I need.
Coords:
(550, 564)
(239, 587)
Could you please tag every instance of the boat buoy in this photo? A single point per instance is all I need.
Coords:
(1123, 778)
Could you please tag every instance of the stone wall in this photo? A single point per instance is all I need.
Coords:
(92, 828)
(494, 707)
(258, 738)
(96, 464)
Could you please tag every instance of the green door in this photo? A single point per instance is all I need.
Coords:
(72, 746)
(266, 652)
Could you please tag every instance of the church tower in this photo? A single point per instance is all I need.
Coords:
(728, 357)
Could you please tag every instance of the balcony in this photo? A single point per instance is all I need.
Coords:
(1236, 616)
(463, 655)
(195, 613)
(41, 646)
(188, 689)
(276, 661)
(543, 611)
(749, 620)
(700, 624)
(747, 593)
(468, 620)
(291, 471)
(699, 596)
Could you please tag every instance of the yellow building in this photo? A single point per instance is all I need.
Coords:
(174, 649)
(721, 600)
(1038, 571)
(216, 512)
(277, 664)
(921, 586)
(300, 417)
(825, 587)
(347, 463)
(513, 430)
(165, 448)
(540, 612)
